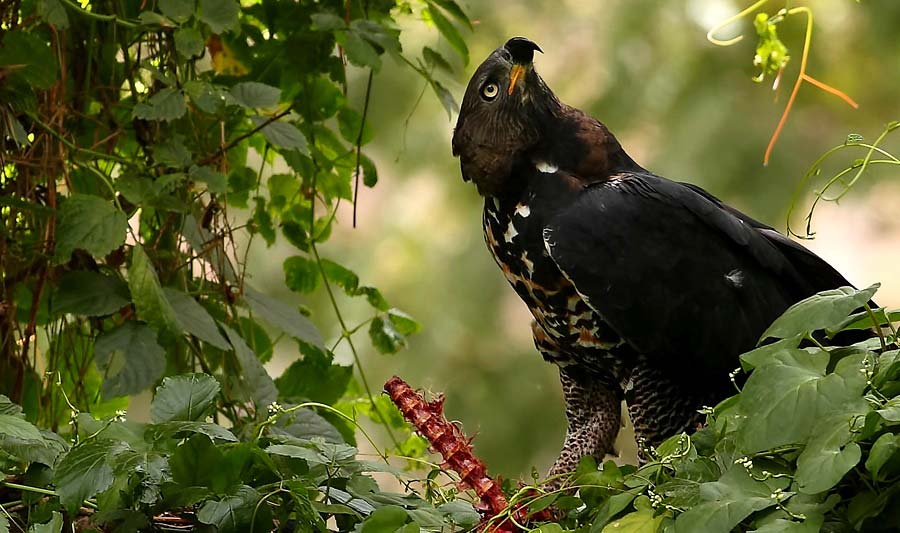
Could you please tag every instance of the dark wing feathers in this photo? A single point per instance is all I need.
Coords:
(656, 259)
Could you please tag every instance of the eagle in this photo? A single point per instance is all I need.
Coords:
(641, 288)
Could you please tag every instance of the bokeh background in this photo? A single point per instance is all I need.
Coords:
(682, 107)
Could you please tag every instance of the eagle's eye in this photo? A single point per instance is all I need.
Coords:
(490, 91)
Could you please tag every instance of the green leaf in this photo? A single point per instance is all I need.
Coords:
(55, 525)
(824, 310)
(449, 31)
(7, 407)
(405, 324)
(232, 513)
(129, 359)
(4, 524)
(341, 276)
(315, 378)
(53, 12)
(350, 123)
(636, 522)
(307, 453)
(252, 94)
(29, 57)
(88, 223)
(369, 171)
(435, 59)
(446, 98)
(384, 336)
(167, 105)
(829, 455)
(172, 153)
(220, 15)
(258, 384)
(359, 51)
(194, 462)
(327, 22)
(726, 503)
(283, 316)
(455, 11)
(178, 10)
(214, 431)
(793, 387)
(216, 182)
(189, 397)
(19, 428)
(812, 524)
(193, 319)
(85, 471)
(282, 134)
(764, 354)
(301, 274)
(82, 292)
(385, 519)
(884, 457)
(307, 424)
(207, 97)
(188, 42)
(461, 513)
(890, 411)
(149, 299)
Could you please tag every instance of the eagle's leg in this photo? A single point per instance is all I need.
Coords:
(593, 411)
(660, 408)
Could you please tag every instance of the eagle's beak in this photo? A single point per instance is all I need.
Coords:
(516, 74)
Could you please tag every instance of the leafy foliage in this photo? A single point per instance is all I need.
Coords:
(139, 154)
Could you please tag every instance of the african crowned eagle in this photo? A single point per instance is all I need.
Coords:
(641, 288)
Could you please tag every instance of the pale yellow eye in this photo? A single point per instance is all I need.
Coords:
(490, 91)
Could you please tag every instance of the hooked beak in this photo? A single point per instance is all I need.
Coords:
(515, 74)
(521, 51)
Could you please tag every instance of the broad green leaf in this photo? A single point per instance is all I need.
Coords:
(282, 134)
(283, 316)
(461, 513)
(327, 22)
(194, 462)
(4, 524)
(193, 319)
(307, 424)
(252, 94)
(726, 503)
(352, 128)
(53, 12)
(369, 171)
(385, 519)
(215, 431)
(307, 453)
(232, 513)
(85, 471)
(188, 42)
(88, 223)
(178, 10)
(129, 359)
(315, 378)
(884, 457)
(7, 407)
(359, 51)
(341, 276)
(828, 455)
(256, 381)
(381, 36)
(82, 292)
(216, 182)
(29, 57)
(449, 31)
(384, 336)
(301, 274)
(19, 428)
(890, 411)
(207, 97)
(636, 522)
(149, 299)
(55, 525)
(812, 524)
(171, 153)
(793, 386)
(166, 105)
(405, 324)
(763, 355)
(824, 310)
(189, 397)
(220, 15)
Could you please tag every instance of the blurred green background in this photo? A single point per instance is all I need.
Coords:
(682, 107)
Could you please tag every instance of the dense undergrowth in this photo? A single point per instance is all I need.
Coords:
(146, 145)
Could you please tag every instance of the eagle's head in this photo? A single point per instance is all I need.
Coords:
(500, 116)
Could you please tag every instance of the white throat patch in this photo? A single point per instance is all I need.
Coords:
(545, 167)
